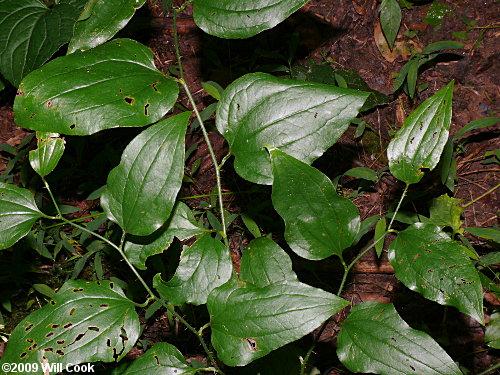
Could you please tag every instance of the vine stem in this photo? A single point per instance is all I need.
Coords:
(139, 277)
(481, 196)
(217, 167)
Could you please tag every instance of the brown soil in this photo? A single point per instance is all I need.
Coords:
(344, 32)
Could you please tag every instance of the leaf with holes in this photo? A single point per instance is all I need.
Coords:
(100, 21)
(161, 359)
(50, 150)
(375, 339)
(429, 262)
(181, 224)
(203, 266)
(319, 223)
(390, 20)
(86, 321)
(115, 84)
(31, 32)
(249, 320)
(236, 19)
(421, 140)
(18, 213)
(303, 119)
(141, 190)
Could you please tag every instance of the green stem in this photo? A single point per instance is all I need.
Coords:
(59, 214)
(490, 369)
(76, 220)
(481, 196)
(303, 363)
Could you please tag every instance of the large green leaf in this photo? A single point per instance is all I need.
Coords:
(181, 224)
(100, 21)
(114, 84)
(203, 267)
(242, 19)
(85, 322)
(161, 359)
(50, 150)
(303, 119)
(390, 20)
(492, 334)
(419, 143)
(31, 32)
(248, 321)
(319, 223)
(375, 339)
(429, 262)
(141, 190)
(18, 212)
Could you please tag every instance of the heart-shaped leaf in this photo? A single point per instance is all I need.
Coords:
(249, 321)
(319, 223)
(236, 19)
(18, 212)
(85, 322)
(181, 224)
(375, 339)
(31, 32)
(421, 140)
(303, 119)
(114, 84)
(100, 21)
(161, 359)
(50, 150)
(203, 267)
(429, 262)
(141, 190)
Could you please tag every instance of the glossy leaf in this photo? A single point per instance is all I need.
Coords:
(492, 334)
(488, 233)
(50, 150)
(436, 13)
(31, 32)
(181, 224)
(301, 118)
(203, 266)
(390, 20)
(85, 322)
(477, 124)
(446, 211)
(100, 21)
(319, 223)
(18, 213)
(429, 262)
(235, 19)
(419, 143)
(264, 263)
(115, 84)
(375, 339)
(161, 359)
(141, 191)
(249, 320)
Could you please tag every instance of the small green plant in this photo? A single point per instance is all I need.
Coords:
(275, 128)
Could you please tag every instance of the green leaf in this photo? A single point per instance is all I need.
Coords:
(490, 258)
(18, 213)
(319, 223)
(477, 124)
(390, 20)
(443, 44)
(161, 359)
(365, 227)
(114, 84)
(31, 32)
(488, 233)
(429, 262)
(141, 190)
(251, 225)
(213, 89)
(264, 263)
(380, 229)
(375, 339)
(50, 150)
(436, 13)
(249, 320)
(448, 166)
(100, 21)
(492, 334)
(235, 19)
(446, 211)
(85, 322)
(181, 224)
(301, 118)
(362, 172)
(419, 143)
(203, 267)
